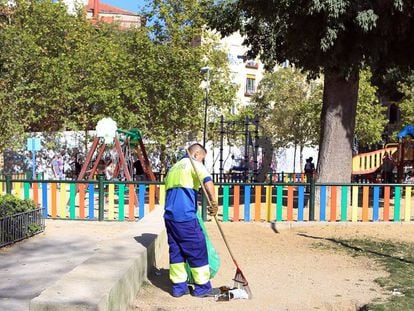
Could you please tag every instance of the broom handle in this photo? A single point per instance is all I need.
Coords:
(209, 203)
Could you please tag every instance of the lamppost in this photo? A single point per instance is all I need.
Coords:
(206, 70)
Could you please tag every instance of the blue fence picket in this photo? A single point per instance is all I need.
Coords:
(247, 203)
(44, 199)
(301, 202)
(91, 191)
(375, 209)
(323, 203)
(141, 205)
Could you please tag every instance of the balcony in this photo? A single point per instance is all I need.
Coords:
(252, 64)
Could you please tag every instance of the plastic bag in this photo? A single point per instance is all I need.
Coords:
(213, 257)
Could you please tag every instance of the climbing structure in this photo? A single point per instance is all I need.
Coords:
(370, 163)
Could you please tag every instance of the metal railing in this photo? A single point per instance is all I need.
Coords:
(20, 226)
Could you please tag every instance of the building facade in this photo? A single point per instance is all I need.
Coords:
(246, 73)
(100, 11)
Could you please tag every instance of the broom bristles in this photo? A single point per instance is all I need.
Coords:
(241, 282)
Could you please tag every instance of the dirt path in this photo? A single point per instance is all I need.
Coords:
(285, 270)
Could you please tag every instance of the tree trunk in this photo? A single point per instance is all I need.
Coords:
(294, 157)
(86, 142)
(301, 146)
(340, 97)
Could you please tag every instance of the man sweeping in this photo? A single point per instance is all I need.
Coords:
(186, 239)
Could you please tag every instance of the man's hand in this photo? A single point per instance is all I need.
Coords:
(213, 208)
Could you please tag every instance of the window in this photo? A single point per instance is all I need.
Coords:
(250, 85)
(393, 113)
(285, 64)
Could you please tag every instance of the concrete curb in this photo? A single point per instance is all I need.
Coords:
(111, 278)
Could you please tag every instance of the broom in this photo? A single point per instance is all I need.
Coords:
(239, 279)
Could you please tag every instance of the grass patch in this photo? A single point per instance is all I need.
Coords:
(397, 259)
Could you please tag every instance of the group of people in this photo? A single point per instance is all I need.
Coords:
(62, 169)
(107, 168)
(387, 172)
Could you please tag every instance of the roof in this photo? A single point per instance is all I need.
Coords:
(407, 130)
(108, 9)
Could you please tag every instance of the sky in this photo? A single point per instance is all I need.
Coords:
(130, 5)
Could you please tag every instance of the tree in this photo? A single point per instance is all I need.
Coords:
(332, 37)
(35, 43)
(407, 103)
(370, 117)
(289, 109)
(105, 81)
(175, 48)
(60, 71)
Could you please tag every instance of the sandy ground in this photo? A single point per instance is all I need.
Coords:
(288, 268)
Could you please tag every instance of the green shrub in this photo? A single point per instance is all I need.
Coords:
(33, 228)
(10, 205)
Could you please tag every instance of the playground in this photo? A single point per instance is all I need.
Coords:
(290, 261)
(288, 268)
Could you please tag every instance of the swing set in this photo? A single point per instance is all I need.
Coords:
(124, 142)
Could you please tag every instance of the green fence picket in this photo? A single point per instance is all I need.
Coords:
(279, 201)
(397, 203)
(225, 203)
(121, 202)
(26, 186)
(344, 201)
(72, 213)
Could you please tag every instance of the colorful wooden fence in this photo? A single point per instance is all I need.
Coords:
(239, 202)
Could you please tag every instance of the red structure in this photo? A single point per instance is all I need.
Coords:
(100, 11)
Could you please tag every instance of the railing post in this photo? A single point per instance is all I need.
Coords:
(312, 199)
(8, 184)
(101, 197)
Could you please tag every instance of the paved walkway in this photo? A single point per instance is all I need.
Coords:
(30, 266)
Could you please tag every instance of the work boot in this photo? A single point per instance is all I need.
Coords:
(212, 293)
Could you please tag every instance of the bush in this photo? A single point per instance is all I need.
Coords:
(11, 205)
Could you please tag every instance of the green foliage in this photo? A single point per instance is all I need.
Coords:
(336, 37)
(370, 117)
(176, 48)
(317, 34)
(33, 228)
(406, 105)
(59, 71)
(11, 205)
(105, 82)
(289, 108)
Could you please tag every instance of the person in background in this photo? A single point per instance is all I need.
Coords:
(186, 239)
(57, 167)
(309, 171)
(388, 165)
(139, 173)
(410, 178)
(78, 166)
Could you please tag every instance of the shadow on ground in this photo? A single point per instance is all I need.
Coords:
(347, 245)
(160, 278)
